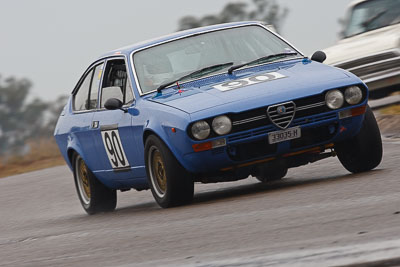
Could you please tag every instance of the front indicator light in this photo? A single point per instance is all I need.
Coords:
(202, 147)
(218, 143)
(352, 112)
(209, 145)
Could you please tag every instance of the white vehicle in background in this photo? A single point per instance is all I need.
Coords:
(370, 47)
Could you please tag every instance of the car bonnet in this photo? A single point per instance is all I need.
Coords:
(268, 84)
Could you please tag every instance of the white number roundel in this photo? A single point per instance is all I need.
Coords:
(115, 151)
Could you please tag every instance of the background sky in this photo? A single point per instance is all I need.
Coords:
(51, 42)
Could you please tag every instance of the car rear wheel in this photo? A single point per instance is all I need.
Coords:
(94, 196)
(171, 185)
(364, 151)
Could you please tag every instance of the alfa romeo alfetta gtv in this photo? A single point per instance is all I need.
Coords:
(211, 104)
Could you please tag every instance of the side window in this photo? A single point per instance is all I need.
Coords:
(115, 83)
(81, 96)
(94, 89)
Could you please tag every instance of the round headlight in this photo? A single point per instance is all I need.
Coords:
(353, 95)
(201, 130)
(334, 99)
(222, 125)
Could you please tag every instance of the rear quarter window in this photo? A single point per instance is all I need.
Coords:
(81, 97)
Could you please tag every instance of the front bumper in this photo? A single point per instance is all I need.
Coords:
(252, 146)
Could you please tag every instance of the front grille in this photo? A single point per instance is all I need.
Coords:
(377, 67)
(249, 119)
(257, 118)
(252, 119)
(311, 105)
(282, 114)
(372, 64)
(367, 60)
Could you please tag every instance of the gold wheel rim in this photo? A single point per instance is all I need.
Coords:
(158, 169)
(84, 179)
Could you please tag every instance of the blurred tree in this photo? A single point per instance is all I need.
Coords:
(267, 11)
(21, 120)
(13, 94)
(54, 111)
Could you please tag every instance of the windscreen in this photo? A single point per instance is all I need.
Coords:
(371, 15)
(169, 61)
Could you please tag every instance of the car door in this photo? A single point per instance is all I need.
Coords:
(114, 140)
(83, 105)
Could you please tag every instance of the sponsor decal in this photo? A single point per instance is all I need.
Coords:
(266, 77)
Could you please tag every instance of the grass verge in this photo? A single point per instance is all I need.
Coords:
(391, 110)
(42, 154)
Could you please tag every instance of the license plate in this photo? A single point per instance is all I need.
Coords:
(284, 135)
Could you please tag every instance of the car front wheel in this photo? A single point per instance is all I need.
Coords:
(94, 196)
(171, 185)
(363, 152)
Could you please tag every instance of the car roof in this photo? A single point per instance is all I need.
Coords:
(128, 49)
(356, 2)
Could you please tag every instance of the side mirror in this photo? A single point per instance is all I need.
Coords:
(113, 104)
(318, 56)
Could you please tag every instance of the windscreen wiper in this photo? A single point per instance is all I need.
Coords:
(260, 60)
(196, 74)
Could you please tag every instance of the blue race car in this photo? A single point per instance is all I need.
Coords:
(211, 104)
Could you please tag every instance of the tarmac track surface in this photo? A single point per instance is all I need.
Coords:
(319, 215)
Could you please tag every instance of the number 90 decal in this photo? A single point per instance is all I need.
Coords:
(270, 76)
(115, 151)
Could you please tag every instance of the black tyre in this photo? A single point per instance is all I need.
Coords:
(94, 196)
(171, 185)
(364, 151)
(269, 173)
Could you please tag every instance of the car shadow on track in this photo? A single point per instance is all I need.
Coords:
(236, 191)
(284, 184)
